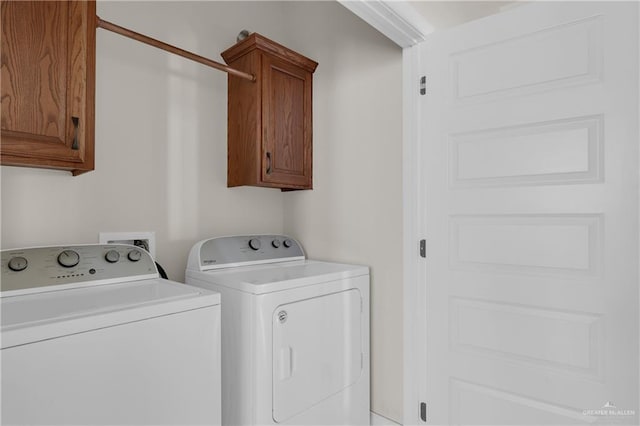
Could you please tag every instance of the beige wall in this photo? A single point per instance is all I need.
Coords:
(161, 153)
(354, 213)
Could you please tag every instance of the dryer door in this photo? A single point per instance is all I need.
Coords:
(316, 350)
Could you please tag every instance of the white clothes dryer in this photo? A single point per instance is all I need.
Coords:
(295, 332)
(92, 335)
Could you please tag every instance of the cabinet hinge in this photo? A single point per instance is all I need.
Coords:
(423, 411)
(423, 248)
(423, 85)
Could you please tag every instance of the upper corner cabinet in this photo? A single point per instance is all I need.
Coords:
(48, 84)
(269, 128)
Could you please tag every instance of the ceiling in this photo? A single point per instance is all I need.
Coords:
(448, 13)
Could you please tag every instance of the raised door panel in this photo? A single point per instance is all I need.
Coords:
(48, 54)
(286, 116)
(34, 71)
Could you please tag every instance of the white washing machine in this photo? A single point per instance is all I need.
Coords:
(295, 332)
(91, 335)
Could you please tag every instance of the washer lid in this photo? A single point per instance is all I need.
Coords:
(260, 279)
(34, 317)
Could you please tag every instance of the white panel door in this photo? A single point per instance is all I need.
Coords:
(529, 205)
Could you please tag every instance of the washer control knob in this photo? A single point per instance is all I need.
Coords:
(134, 255)
(68, 258)
(18, 263)
(254, 243)
(287, 243)
(275, 243)
(112, 256)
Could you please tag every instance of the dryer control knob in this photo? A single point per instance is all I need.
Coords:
(275, 243)
(134, 255)
(68, 258)
(287, 243)
(112, 256)
(254, 243)
(18, 263)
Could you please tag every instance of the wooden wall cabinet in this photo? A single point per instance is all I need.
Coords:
(269, 119)
(48, 84)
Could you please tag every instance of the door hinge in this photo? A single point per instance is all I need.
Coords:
(423, 411)
(423, 248)
(423, 85)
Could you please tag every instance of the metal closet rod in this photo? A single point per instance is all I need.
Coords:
(172, 49)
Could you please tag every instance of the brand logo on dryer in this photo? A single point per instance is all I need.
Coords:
(282, 317)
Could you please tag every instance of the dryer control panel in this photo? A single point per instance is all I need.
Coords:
(242, 250)
(33, 270)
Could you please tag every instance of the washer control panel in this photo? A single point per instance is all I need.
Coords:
(239, 250)
(37, 269)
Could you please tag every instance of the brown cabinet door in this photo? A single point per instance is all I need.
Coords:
(286, 121)
(48, 65)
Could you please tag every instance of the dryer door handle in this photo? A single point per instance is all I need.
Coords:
(286, 363)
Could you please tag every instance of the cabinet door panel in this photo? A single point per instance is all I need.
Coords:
(47, 86)
(286, 115)
(34, 73)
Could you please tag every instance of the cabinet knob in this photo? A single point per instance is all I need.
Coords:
(268, 163)
(76, 124)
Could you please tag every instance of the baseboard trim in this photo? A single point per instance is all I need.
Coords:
(378, 420)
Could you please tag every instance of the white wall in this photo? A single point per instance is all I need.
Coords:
(161, 153)
(354, 213)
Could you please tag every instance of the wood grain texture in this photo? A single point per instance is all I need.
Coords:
(244, 124)
(270, 120)
(34, 74)
(260, 42)
(286, 104)
(48, 77)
